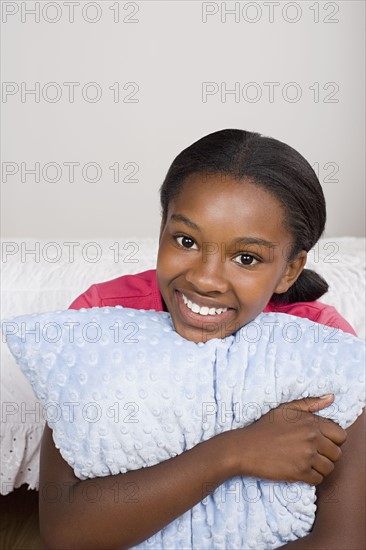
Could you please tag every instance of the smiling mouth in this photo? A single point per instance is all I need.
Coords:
(217, 325)
(202, 310)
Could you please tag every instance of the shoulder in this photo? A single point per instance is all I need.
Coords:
(315, 311)
(139, 291)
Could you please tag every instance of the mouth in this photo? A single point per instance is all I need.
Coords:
(198, 315)
(203, 310)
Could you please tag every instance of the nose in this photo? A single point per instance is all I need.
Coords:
(207, 274)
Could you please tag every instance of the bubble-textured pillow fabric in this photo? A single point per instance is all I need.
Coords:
(122, 390)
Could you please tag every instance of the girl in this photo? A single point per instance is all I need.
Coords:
(239, 213)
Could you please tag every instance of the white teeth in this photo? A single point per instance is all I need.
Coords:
(202, 310)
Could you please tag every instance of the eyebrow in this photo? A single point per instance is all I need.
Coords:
(186, 221)
(238, 241)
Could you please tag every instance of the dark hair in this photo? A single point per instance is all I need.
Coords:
(276, 167)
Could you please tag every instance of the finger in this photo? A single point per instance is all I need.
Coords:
(315, 477)
(310, 404)
(332, 431)
(329, 449)
(322, 465)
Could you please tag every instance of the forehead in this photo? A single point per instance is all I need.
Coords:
(219, 202)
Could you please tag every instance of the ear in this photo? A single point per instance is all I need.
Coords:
(292, 272)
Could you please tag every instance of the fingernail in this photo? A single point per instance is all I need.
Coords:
(328, 396)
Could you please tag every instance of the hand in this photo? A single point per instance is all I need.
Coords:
(289, 443)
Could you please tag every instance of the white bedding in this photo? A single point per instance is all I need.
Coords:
(36, 283)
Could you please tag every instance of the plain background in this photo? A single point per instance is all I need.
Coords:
(169, 50)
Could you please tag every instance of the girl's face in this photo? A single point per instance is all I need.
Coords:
(222, 254)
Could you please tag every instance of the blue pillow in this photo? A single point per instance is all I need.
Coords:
(122, 390)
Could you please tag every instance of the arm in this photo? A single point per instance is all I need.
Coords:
(128, 507)
(340, 518)
(122, 510)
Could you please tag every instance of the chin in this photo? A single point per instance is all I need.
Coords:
(200, 334)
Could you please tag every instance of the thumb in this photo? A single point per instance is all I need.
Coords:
(310, 404)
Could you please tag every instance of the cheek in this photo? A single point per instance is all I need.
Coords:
(166, 267)
(164, 260)
(252, 292)
(255, 287)
(169, 260)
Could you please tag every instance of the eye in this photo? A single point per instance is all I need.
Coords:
(186, 242)
(246, 259)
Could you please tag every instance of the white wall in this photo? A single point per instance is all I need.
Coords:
(170, 50)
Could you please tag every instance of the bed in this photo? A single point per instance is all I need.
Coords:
(47, 275)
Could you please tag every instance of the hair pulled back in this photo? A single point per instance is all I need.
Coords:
(274, 166)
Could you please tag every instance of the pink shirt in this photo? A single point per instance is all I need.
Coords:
(141, 291)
